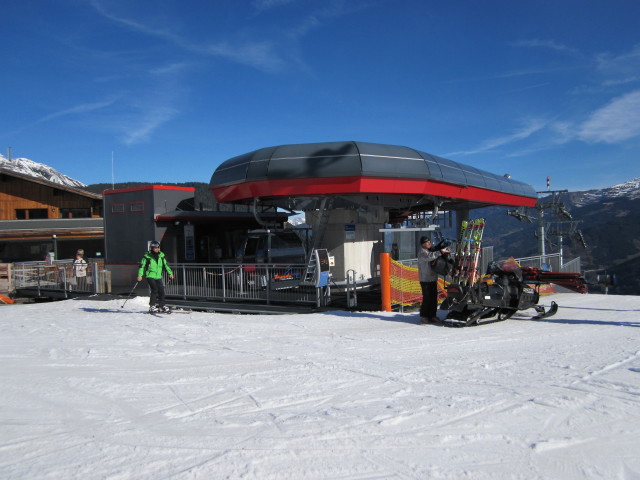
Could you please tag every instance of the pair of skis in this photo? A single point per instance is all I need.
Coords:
(468, 252)
(160, 313)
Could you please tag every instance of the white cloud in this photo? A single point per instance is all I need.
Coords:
(626, 64)
(260, 54)
(75, 110)
(548, 44)
(262, 5)
(147, 124)
(522, 133)
(78, 109)
(615, 122)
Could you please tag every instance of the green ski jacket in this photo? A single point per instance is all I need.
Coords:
(151, 265)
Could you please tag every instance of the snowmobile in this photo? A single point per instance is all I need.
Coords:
(503, 290)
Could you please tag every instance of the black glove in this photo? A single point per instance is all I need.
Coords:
(442, 244)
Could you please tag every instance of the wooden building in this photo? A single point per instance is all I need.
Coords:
(38, 217)
(27, 198)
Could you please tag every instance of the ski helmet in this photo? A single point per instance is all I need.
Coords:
(154, 244)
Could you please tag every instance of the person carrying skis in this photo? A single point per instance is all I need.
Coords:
(152, 265)
(428, 280)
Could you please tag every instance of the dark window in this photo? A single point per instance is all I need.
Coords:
(117, 208)
(31, 213)
(136, 207)
(75, 213)
(35, 213)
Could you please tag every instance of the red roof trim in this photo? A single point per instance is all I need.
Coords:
(359, 185)
(148, 187)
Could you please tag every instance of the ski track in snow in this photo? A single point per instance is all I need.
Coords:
(91, 390)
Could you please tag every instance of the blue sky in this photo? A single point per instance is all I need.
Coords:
(172, 88)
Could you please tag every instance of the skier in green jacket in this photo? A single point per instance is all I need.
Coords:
(152, 265)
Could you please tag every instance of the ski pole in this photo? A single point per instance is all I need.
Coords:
(129, 296)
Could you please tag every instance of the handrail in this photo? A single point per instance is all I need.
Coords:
(225, 282)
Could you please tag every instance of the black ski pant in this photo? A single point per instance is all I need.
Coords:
(156, 291)
(429, 299)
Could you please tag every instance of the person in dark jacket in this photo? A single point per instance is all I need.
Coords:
(428, 281)
(152, 265)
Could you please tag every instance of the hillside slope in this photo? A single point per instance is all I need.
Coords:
(609, 220)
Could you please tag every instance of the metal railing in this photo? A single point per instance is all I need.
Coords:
(58, 276)
(266, 283)
(553, 261)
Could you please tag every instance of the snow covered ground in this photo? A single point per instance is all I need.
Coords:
(91, 390)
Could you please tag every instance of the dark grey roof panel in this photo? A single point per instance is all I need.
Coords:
(234, 169)
(391, 161)
(450, 170)
(433, 166)
(475, 177)
(259, 166)
(334, 159)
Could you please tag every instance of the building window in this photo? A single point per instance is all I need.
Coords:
(117, 207)
(75, 213)
(31, 213)
(136, 207)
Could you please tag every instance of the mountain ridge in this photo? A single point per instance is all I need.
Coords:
(33, 169)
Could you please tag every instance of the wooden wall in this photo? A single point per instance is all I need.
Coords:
(21, 194)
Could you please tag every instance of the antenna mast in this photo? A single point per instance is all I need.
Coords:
(113, 182)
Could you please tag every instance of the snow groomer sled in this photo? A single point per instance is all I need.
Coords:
(503, 290)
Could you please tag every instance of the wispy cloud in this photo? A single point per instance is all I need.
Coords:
(143, 127)
(329, 10)
(77, 109)
(264, 5)
(547, 44)
(610, 72)
(257, 54)
(617, 121)
(626, 64)
(170, 69)
(67, 112)
(526, 131)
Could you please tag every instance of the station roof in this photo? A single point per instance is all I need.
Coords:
(360, 168)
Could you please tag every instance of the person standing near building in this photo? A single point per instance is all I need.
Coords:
(80, 270)
(152, 265)
(428, 281)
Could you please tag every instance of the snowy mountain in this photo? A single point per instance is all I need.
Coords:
(41, 171)
(629, 190)
(609, 219)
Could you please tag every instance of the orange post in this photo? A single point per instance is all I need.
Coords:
(385, 281)
(6, 300)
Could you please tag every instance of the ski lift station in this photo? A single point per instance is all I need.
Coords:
(359, 199)
(354, 192)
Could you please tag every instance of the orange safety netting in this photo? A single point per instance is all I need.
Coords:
(405, 285)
